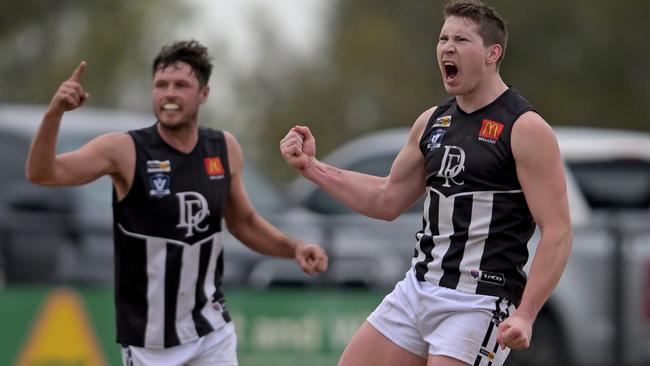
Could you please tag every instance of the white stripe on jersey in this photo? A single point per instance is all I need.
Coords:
(478, 231)
(442, 241)
(208, 285)
(155, 330)
(186, 296)
(482, 205)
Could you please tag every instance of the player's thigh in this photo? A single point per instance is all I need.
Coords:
(217, 350)
(370, 347)
(444, 361)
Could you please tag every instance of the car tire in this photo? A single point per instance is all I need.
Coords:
(547, 347)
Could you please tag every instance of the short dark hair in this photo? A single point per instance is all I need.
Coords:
(190, 52)
(491, 26)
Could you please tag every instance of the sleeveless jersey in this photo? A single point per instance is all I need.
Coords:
(168, 249)
(476, 223)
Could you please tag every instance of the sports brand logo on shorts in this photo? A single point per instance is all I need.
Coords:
(214, 167)
(452, 164)
(193, 209)
(436, 138)
(490, 131)
(159, 185)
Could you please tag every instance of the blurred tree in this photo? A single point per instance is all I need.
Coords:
(578, 63)
(48, 39)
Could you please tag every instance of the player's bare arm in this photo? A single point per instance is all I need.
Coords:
(106, 154)
(253, 230)
(541, 174)
(378, 197)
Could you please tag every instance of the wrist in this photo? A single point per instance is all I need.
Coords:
(308, 170)
(527, 312)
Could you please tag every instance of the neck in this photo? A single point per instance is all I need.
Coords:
(182, 139)
(482, 95)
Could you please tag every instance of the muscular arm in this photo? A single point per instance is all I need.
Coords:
(541, 174)
(377, 197)
(253, 230)
(106, 154)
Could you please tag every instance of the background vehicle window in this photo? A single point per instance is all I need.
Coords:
(619, 184)
(14, 150)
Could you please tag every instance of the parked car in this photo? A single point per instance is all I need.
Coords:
(580, 322)
(55, 235)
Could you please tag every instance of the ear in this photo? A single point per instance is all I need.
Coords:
(494, 53)
(203, 94)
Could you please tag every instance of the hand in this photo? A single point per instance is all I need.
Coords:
(298, 148)
(515, 332)
(70, 94)
(311, 258)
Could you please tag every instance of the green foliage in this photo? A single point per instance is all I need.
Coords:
(48, 39)
(579, 63)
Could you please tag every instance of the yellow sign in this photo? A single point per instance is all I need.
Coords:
(62, 334)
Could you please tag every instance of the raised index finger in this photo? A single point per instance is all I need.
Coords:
(76, 75)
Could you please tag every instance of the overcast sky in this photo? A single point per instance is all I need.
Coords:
(299, 25)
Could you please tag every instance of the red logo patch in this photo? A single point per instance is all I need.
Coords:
(213, 166)
(490, 130)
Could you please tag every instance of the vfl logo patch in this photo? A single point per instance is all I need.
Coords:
(436, 139)
(157, 166)
(444, 121)
(214, 167)
(490, 131)
(488, 277)
(159, 185)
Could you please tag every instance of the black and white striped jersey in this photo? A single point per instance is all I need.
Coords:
(168, 249)
(476, 222)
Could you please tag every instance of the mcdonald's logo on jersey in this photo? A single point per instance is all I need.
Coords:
(490, 131)
(213, 167)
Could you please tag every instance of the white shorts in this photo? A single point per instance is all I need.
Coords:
(217, 348)
(426, 319)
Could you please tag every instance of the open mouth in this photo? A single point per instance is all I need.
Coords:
(451, 70)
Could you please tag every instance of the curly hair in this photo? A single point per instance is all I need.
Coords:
(190, 52)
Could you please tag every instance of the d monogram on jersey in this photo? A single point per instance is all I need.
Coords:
(168, 249)
(476, 222)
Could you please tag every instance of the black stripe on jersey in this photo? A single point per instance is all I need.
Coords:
(218, 295)
(201, 324)
(506, 245)
(131, 284)
(173, 265)
(461, 218)
(426, 242)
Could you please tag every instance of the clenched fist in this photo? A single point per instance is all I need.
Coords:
(298, 147)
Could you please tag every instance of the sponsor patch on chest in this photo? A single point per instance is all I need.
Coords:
(213, 167)
(490, 131)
